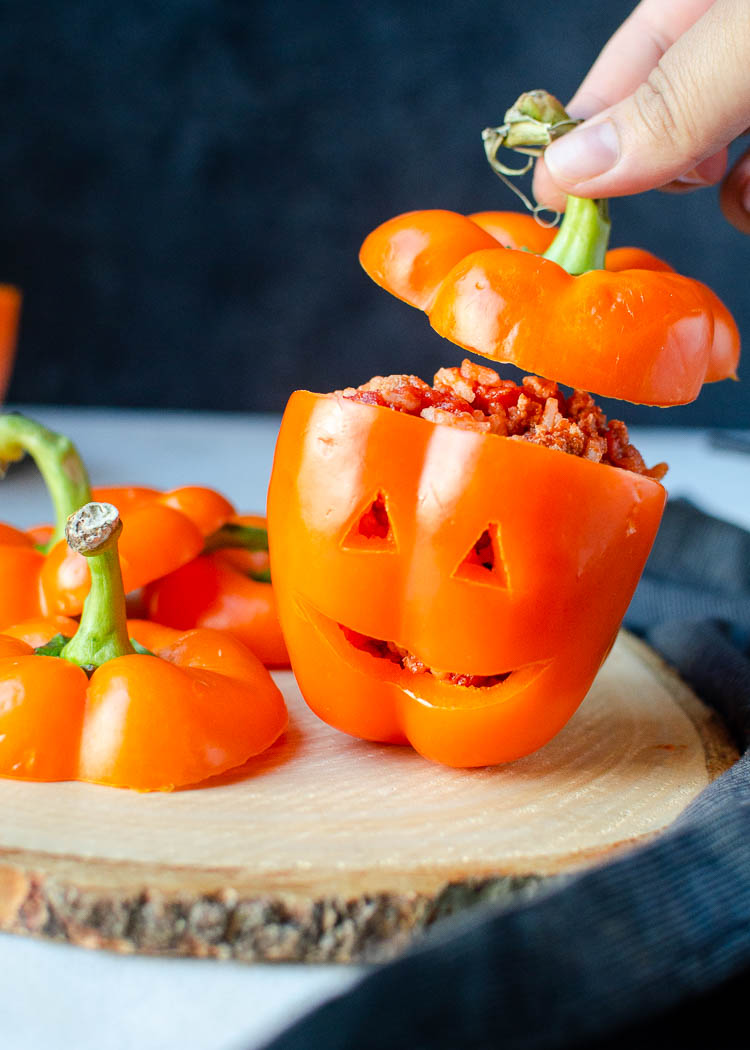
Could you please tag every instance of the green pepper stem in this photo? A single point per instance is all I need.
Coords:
(245, 537)
(58, 462)
(581, 242)
(535, 120)
(241, 537)
(102, 634)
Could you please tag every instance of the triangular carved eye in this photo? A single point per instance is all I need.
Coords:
(372, 529)
(484, 562)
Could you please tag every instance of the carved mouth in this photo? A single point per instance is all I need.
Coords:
(407, 661)
(390, 662)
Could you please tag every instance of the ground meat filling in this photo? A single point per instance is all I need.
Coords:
(474, 397)
(407, 661)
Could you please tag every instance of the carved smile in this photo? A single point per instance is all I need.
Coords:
(389, 661)
(403, 658)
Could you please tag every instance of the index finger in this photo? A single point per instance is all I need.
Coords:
(632, 52)
(623, 65)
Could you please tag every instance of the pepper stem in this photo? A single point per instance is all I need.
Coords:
(102, 634)
(535, 120)
(581, 242)
(58, 462)
(244, 537)
(251, 538)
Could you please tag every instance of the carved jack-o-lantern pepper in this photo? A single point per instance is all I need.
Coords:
(458, 586)
(532, 617)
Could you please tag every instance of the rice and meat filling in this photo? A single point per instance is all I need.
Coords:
(474, 397)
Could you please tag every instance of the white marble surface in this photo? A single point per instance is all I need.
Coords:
(54, 997)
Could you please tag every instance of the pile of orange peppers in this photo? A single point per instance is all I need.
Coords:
(226, 595)
(569, 537)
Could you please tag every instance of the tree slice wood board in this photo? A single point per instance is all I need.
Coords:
(328, 848)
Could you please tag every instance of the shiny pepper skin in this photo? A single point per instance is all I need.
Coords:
(636, 330)
(219, 590)
(163, 531)
(201, 704)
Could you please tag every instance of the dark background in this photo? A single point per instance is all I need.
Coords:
(186, 184)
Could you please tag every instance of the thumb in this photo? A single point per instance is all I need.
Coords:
(695, 101)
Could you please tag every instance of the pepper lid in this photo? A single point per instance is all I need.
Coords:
(618, 323)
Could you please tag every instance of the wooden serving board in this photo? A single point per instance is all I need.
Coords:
(331, 849)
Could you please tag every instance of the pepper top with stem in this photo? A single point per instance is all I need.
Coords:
(93, 531)
(58, 462)
(534, 120)
(618, 324)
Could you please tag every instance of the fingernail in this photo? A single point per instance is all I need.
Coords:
(581, 154)
(745, 198)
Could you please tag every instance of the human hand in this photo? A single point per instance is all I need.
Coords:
(668, 93)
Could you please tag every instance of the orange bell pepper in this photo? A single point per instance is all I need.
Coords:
(621, 324)
(98, 708)
(569, 537)
(228, 588)
(165, 530)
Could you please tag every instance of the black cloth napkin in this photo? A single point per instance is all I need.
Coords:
(652, 949)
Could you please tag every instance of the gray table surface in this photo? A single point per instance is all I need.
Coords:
(54, 997)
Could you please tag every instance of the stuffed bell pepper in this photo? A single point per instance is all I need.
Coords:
(452, 562)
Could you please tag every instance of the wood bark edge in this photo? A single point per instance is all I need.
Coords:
(282, 928)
